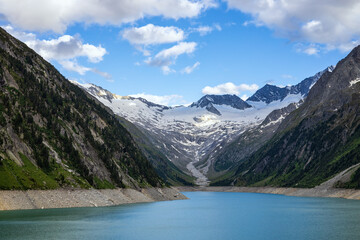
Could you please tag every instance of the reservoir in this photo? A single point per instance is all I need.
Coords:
(206, 215)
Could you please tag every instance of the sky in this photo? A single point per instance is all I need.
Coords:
(173, 52)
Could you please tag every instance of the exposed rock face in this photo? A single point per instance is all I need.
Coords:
(318, 140)
(270, 93)
(54, 135)
(251, 140)
(195, 138)
(208, 102)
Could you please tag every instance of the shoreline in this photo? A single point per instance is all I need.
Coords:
(64, 198)
(296, 192)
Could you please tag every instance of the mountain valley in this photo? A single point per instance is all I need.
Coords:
(194, 137)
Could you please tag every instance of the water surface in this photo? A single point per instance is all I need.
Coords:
(206, 215)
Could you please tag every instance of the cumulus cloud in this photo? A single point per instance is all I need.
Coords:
(190, 69)
(168, 56)
(72, 65)
(335, 24)
(311, 51)
(64, 49)
(151, 34)
(167, 100)
(229, 88)
(58, 15)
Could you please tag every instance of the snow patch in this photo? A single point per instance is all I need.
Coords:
(355, 81)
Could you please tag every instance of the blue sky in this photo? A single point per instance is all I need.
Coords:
(173, 52)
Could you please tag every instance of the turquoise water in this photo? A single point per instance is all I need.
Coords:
(205, 216)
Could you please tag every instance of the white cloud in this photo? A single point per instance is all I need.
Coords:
(166, 70)
(347, 46)
(175, 51)
(167, 100)
(217, 27)
(105, 75)
(64, 49)
(44, 15)
(244, 97)
(203, 30)
(168, 56)
(151, 34)
(229, 88)
(190, 69)
(311, 51)
(331, 23)
(72, 65)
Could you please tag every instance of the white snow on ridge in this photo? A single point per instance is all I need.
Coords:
(355, 81)
(184, 133)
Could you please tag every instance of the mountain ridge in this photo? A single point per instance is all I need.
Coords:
(270, 93)
(208, 101)
(191, 137)
(53, 135)
(316, 141)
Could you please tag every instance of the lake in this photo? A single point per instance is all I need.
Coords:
(207, 215)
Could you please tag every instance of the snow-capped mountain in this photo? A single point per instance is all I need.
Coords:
(208, 102)
(188, 136)
(270, 93)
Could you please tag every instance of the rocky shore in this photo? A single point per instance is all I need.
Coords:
(62, 198)
(299, 192)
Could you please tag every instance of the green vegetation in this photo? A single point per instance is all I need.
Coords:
(103, 184)
(50, 120)
(28, 176)
(307, 156)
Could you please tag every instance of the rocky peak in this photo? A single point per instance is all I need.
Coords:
(208, 102)
(270, 93)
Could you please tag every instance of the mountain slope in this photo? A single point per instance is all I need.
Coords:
(193, 137)
(55, 135)
(252, 139)
(318, 140)
(270, 93)
(167, 170)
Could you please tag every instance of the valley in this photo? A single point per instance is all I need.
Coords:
(193, 137)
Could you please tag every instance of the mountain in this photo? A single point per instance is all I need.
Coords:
(315, 142)
(192, 138)
(251, 140)
(169, 172)
(208, 102)
(270, 93)
(53, 134)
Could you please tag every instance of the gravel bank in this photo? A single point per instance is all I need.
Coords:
(299, 192)
(61, 198)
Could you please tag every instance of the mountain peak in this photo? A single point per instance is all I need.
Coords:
(208, 101)
(270, 93)
(100, 92)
